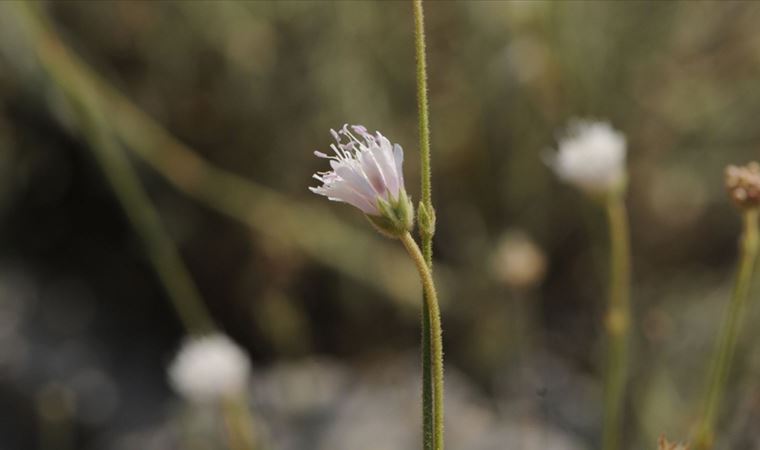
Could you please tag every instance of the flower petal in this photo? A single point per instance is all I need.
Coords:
(398, 155)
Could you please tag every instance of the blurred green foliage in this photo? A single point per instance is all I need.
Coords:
(252, 88)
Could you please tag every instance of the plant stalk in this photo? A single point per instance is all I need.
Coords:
(617, 321)
(238, 421)
(426, 226)
(726, 344)
(436, 347)
(422, 102)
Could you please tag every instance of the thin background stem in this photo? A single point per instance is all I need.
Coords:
(726, 344)
(238, 422)
(329, 240)
(146, 221)
(125, 183)
(617, 321)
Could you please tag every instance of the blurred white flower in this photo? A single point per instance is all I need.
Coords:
(517, 261)
(591, 156)
(209, 368)
(367, 173)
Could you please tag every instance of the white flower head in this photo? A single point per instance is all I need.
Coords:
(591, 156)
(367, 172)
(209, 368)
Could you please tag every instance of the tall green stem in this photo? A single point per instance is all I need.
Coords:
(617, 321)
(436, 347)
(726, 344)
(426, 226)
(422, 103)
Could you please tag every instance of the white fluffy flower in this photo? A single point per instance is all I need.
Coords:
(367, 173)
(209, 368)
(591, 156)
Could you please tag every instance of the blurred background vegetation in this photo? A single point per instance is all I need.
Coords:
(216, 107)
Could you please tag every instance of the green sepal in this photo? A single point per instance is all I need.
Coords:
(396, 217)
(426, 220)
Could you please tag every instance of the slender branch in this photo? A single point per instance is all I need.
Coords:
(726, 344)
(617, 322)
(436, 341)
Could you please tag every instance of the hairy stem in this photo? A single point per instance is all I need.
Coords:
(422, 102)
(726, 344)
(426, 227)
(617, 322)
(436, 347)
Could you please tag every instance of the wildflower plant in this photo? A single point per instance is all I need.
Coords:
(211, 371)
(367, 173)
(591, 156)
(743, 186)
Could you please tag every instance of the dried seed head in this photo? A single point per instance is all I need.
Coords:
(743, 184)
(664, 444)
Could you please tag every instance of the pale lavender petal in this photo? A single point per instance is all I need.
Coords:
(365, 169)
(384, 155)
(356, 179)
(344, 193)
(398, 155)
(373, 173)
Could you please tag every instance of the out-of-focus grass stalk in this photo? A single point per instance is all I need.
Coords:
(238, 422)
(55, 414)
(126, 185)
(432, 384)
(329, 240)
(617, 320)
(726, 344)
(436, 343)
(145, 219)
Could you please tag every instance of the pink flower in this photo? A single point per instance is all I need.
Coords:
(364, 170)
(367, 173)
